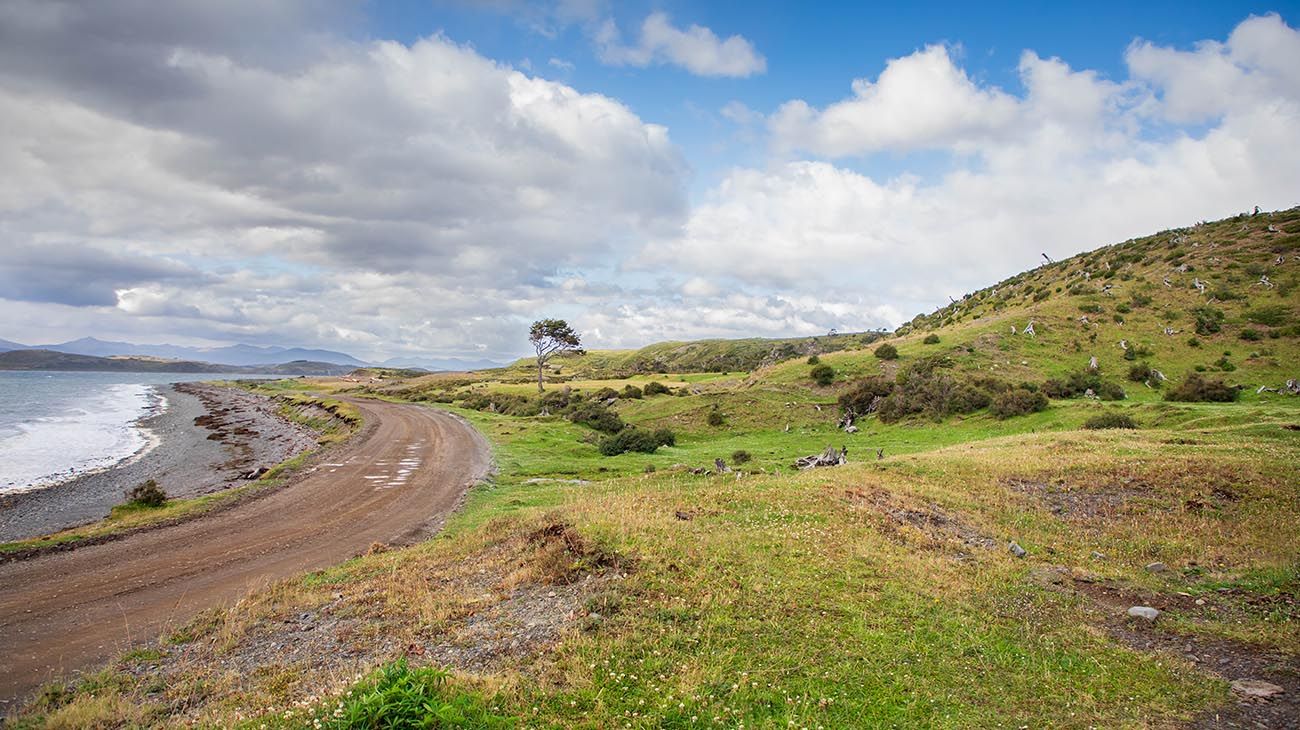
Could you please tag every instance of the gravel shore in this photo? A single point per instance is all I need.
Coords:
(208, 438)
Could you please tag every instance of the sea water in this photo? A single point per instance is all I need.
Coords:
(55, 426)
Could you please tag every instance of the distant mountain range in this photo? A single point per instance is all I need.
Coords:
(240, 355)
(37, 359)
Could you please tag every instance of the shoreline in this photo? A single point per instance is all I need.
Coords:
(206, 438)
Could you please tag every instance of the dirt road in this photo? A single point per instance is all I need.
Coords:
(395, 482)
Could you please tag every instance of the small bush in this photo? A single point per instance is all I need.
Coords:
(931, 339)
(1109, 420)
(1017, 401)
(146, 494)
(716, 418)
(822, 374)
(1140, 373)
(656, 388)
(1090, 308)
(740, 456)
(1199, 389)
(1140, 300)
(630, 392)
(1253, 335)
(665, 437)
(597, 416)
(813, 359)
(1123, 308)
(1193, 342)
(605, 394)
(629, 439)
(865, 396)
(1208, 320)
(887, 352)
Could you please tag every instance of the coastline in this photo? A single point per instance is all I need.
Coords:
(204, 439)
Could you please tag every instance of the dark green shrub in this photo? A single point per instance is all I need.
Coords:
(1017, 402)
(1208, 320)
(1197, 389)
(654, 387)
(887, 352)
(716, 418)
(146, 494)
(1140, 373)
(1225, 365)
(665, 437)
(1110, 390)
(822, 374)
(865, 395)
(1140, 300)
(740, 456)
(1253, 335)
(597, 416)
(1193, 342)
(931, 339)
(1040, 296)
(605, 394)
(630, 392)
(813, 359)
(1109, 420)
(1090, 308)
(629, 439)
(1123, 308)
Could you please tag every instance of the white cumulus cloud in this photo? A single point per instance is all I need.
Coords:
(695, 48)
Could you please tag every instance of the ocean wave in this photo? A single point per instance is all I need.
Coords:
(100, 431)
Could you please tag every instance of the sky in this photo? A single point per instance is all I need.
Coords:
(425, 178)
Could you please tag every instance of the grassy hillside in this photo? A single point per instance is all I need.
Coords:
(700, 356)
(652, 590)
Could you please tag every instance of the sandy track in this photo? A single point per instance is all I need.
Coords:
(67, 611)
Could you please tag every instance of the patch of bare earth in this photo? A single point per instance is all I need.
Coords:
(500, 610)
(905, 520)
(1083, 503)
(1266, 682)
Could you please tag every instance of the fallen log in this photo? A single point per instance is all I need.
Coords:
(829, 457)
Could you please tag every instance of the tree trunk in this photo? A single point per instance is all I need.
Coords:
(540, 363)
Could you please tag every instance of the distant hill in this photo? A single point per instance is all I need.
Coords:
(699, 356)
(240, 355)
(40, 359)
(6, 345)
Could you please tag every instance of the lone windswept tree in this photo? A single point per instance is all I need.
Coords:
(550, 336)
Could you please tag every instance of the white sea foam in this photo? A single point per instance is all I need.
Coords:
(99, 431)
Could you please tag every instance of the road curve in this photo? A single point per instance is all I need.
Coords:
(395, 482)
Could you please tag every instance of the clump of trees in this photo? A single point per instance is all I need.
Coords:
(1077, 384)
(928, 388)
(638, 440)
